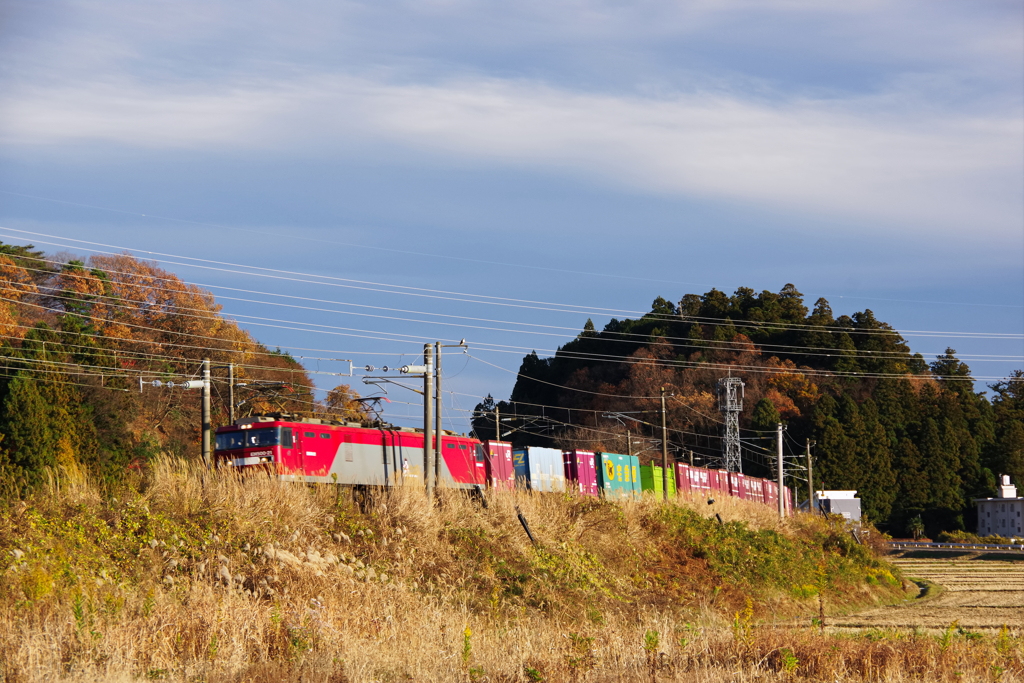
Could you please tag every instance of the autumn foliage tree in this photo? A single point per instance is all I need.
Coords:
(78, 335)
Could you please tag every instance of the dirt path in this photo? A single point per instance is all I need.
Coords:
(979, 590)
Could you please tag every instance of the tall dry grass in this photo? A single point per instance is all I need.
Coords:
(200, 576)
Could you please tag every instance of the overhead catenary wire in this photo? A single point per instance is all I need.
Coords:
(152, 216)
(607, 336)
(503, 348)
(326, 329)
(325, 280)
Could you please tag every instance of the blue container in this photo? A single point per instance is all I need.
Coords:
(539, 469)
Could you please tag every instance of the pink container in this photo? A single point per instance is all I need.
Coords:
(501, 473)
(581, 471)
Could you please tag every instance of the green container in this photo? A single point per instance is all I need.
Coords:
(650, 480)
(618, 475)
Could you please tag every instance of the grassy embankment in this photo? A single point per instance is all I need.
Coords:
(189, 575)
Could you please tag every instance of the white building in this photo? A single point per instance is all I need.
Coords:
(845, 503)
(1001, 516)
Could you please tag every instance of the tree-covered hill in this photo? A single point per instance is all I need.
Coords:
(913, 437)
(81, 344)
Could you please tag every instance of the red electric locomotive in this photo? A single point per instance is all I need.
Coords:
(348, 453)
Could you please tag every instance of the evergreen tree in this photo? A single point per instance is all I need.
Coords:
(911, 483)
(1006, 451)
(956, 374)
(765, 417)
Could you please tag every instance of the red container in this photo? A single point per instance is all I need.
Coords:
(701, 480)
(722, 478)
(755, 489)
(683, 487)
(737, 485)
(501, 472)
(581, 471)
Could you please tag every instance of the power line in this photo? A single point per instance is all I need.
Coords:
(328, 329)
(613, 336)
(293, 236)
(494, 300)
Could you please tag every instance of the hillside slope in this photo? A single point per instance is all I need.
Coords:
(913, 437)
(184, 574)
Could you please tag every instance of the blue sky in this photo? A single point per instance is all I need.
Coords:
(596, 154)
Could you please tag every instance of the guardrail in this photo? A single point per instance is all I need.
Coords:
(900, 545)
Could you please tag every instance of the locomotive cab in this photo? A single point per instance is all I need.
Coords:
(253, 444)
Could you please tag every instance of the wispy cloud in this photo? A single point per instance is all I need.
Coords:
(882, 114)
(878, 157)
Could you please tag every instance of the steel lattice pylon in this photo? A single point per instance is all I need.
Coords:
(730, 404)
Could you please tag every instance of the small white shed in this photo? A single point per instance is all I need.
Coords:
(845, 503)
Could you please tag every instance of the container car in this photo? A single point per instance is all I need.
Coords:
(618, 475)
(539, 469)
(498, 466)
(651, 480)
(357, 455)
(580, 468)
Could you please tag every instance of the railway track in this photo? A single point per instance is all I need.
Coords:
(980, 590)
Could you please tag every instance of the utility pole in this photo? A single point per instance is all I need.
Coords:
(206, 412)
(439, 453)
(782, 507)
(810, 480)
(664, 448)
(629, 444)
(439, 431)
(231, 393)
(497, 424)
(428, 416)
(691, 457)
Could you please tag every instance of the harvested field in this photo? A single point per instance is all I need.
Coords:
(978, 590)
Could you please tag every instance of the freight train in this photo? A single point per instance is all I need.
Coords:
(359, 456)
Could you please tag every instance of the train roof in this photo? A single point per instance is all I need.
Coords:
(270, 419)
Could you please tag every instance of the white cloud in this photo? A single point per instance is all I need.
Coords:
(930, 139)
(884, 158)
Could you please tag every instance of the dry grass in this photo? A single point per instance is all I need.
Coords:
(200, 576)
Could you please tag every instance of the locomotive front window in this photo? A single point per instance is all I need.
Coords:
(230, 441)
(255, 438)
(252, 438)
(479, 453)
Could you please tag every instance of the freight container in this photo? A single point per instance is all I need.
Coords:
(737, 485)
(755, 489)
(539, 469)
(772, 496)
(700, 481)
(651, 480)
(719, 480)
(501, 473)
(683, 479)
(617, 475)
(580, 470)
